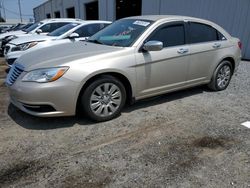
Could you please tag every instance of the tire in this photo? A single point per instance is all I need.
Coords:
(104, 98)
(222, 76)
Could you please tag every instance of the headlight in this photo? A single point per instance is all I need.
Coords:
(25, 46)
(45, 75)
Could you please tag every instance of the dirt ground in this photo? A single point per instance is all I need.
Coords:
(191, 138)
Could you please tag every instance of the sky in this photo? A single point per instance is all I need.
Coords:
(12, 10)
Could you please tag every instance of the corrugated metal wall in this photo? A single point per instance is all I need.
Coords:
(233, 15)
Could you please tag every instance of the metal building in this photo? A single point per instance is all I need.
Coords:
(233, 15)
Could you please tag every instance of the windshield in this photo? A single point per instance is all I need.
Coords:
(32, 27)
(27, 26)
(17, 27)
(63, 29)
(121, 33)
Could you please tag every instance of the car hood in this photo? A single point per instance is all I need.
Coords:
(31, 38)
(63, 54)
(11, 33)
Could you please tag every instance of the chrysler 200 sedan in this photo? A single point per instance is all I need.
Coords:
(132, 59)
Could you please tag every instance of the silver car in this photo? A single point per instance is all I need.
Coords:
(132, 59)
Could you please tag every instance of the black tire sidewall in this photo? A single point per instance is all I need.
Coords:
(85, 99)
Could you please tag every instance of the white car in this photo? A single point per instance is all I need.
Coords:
(43, 27)
(69, 33)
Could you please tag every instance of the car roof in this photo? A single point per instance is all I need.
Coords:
(157, 17)
(94, 21)
(61, 20)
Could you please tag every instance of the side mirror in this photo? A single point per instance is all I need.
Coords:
(38, 31)
(153, 46)
(73, 36)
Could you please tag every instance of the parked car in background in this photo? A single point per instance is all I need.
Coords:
(69, 33)
(4, 27)
(15, 27)
(44, 27)
(19, 27)
(132, 59)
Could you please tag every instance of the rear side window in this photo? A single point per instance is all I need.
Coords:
(172, 35)
(221, 36)
(201, 33)
(47, 28)
(89, 30)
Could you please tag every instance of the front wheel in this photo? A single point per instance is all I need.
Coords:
(221, 77)
(104, 98)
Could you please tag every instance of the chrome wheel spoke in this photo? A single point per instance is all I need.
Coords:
(95, 98)
(95, 105)
(113, 89)
(99, 91)
(106, 88)
(111, 107)
(105, 111)
(116, 101)
(228, 73)
(99, 110)
(116, 95)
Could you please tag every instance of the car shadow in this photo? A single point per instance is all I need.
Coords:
(165, 98)
(37, 123)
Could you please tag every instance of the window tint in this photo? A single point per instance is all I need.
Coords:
(63, 29)
(47, 28)
(170, 35)
(221, 36)
(34, 26)
(89, 30)
(201, 33)
(122, 33)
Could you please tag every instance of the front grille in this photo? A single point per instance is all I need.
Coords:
(14, 73)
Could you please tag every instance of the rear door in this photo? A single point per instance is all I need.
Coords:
(205, 43)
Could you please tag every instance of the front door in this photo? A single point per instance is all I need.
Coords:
(165, 70)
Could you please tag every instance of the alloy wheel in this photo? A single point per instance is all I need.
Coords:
(105, 99)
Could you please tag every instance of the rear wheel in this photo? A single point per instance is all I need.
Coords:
(222, 76)
(104, 98)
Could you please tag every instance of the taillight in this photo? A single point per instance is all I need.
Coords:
(240, 45)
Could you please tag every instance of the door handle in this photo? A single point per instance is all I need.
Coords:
(182, 50)
(216, 45)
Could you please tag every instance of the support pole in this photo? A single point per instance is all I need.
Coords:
(20, 12)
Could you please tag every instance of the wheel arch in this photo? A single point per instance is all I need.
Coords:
(121, 77)
(227, 58)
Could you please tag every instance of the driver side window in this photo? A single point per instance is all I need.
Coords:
(89, 30)
(171, 35)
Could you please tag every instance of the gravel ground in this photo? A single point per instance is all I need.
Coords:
(191, 138)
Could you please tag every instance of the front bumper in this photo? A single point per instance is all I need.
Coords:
(58, 98)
